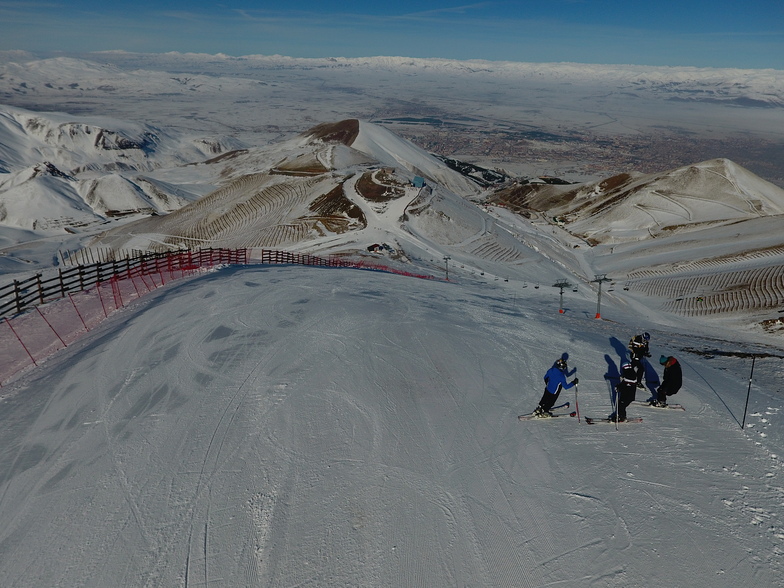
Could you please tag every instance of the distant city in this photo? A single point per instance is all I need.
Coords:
(583, 154)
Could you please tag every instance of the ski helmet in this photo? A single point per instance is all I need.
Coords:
(646, 336)
(561, 364)
(663, 359)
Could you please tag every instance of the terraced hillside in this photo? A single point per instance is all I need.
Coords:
(256, 210)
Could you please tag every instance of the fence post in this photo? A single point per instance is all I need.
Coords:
(98, 288)
(116, 291)
(40, 288)
(79, 314)
(30, 355)
(17, 297)
(38, 308)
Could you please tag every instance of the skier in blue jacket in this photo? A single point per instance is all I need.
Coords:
(555, 380)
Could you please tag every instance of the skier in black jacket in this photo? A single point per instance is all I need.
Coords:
(638, 349)
(672, 380)
(626, 391)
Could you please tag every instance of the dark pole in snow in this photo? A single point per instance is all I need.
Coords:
(748, 392)
(561, 284)
(446, 260)
(600, 278)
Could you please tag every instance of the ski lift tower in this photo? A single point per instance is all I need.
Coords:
(600, 278)
(561, 284)
(446, 261)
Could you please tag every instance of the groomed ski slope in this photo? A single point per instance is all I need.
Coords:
(290, 426)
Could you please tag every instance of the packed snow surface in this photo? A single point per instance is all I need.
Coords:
(290, 426)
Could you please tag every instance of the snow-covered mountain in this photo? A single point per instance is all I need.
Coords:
(83, 143)
(631, 207)
(349, 177)
(531, 115)
(347, 187)
(62, 172)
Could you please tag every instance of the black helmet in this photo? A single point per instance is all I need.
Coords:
(561, 364)
(646, 336)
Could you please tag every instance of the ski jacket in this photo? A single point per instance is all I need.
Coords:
(628, 377)
(639, 347)
(672, 379)
(555, 379)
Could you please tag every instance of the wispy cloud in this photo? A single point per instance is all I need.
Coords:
(463, 9)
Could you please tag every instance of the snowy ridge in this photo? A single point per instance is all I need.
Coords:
(63, 171)
(390, 149)
(71, 143)
(628, 208)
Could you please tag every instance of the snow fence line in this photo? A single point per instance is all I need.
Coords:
(55, 312)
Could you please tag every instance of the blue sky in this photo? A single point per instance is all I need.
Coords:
(705, 33)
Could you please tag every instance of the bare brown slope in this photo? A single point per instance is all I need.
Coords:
(345, 132)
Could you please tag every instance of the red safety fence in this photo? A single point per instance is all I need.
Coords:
(271, 256)
(52, 313)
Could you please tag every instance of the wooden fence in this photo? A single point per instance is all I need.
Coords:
(23, 295)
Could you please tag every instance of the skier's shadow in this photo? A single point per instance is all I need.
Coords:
(612, 377)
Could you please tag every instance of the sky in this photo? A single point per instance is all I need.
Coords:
(703, 33)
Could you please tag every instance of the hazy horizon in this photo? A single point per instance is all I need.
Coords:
(644, 33)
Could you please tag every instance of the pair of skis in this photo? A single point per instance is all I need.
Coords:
(649, 405)
(593, 421)
(533, 416)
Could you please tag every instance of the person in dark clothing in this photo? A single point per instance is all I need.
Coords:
(672, 380)
(626, 392)
(555, 380)
(638, 349)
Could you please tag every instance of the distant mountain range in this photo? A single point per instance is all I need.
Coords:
(354, 188)
(576, 121)
(24, 72)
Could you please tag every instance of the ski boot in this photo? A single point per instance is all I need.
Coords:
(541, 413)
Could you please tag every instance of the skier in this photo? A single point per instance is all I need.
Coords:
(638, 349)
(626, 391)
(672, 380)
(555, 378)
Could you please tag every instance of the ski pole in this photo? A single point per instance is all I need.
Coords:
(616, 400)
(576, 405)
(748, 392)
